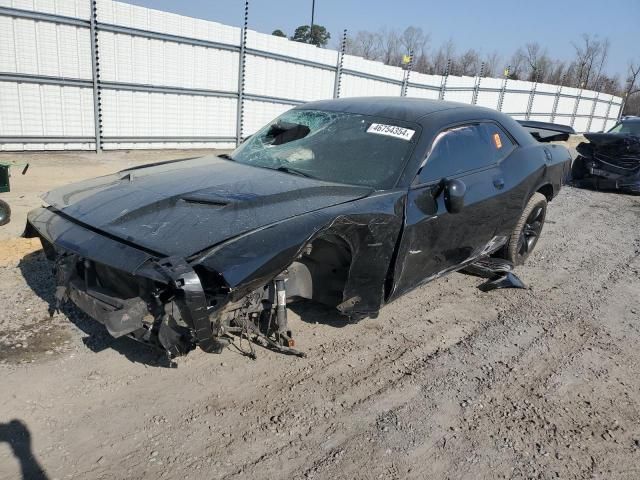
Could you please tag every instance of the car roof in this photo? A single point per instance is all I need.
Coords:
(630, 120)
(400, 108)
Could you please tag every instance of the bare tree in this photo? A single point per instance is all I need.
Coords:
(632, 106)
(529, 62)
(516, 65)
(367, 45)
(468, 64)
(413, 39)
(491, 64)
(557, 73)
(390, 47)
(536, 62)
(611, 85)
(421, 62)
(445, 52)
(632, 88)
(591, 55)
(600, 62)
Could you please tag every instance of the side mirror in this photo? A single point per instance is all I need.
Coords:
(454, 191)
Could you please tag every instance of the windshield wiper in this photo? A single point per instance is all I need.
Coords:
(227, 156)
(294, 171)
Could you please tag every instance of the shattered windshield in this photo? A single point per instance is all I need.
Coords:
(630, 128)
(332, 146)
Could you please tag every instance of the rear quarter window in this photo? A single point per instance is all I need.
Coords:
(501, 143)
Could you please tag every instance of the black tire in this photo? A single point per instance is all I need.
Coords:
(578, 170)
(527, 231)
(5, 213)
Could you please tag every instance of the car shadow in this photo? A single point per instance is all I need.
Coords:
(313, 312)
(17, 436)
(37, 272)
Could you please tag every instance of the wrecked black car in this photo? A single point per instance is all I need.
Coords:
(610, 161)
(349, 202)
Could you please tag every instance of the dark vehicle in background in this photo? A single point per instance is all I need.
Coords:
(349, 202)
(610, 161)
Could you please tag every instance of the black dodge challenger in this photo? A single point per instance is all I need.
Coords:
(348, 202)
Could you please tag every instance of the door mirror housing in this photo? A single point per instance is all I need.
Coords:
(454, 191)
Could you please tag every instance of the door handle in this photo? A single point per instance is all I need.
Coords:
(498, 183)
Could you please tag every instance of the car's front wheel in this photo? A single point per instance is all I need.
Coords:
(527, 231)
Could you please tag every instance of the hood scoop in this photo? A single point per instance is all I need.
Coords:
(206, 200)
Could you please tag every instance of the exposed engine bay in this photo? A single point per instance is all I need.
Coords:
(177, 315)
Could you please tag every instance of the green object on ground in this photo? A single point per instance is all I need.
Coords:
(4, 177)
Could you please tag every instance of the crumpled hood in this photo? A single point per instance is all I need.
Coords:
(619, 153)
(603, 139)
(181, 208)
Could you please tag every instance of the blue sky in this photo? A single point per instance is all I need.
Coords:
(487, 26)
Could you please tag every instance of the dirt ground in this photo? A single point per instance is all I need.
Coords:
(447, 383)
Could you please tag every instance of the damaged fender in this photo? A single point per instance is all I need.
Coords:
(250, 261)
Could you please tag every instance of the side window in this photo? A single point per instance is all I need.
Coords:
(465, 148)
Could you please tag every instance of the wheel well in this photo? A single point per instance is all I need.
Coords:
(328, 261)
(547, 191)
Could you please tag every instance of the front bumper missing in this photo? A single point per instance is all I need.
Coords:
(120, 317)
(126, 316)
(159, 301)
(77, 249)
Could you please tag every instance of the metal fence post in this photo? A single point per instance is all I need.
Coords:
(622, 107)
(502, 92)
(95, 68)
(338, 79)
(606, 115)
(593, 108)
(405, 80)
(241, 76)
(556, 100)
(476, 88)
(532, 96)
(575, 107)
(443, 83)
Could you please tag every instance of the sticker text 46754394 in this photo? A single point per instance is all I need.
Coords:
(391, 131)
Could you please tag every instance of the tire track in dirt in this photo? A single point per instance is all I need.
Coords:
(555, 337)
(583, 338)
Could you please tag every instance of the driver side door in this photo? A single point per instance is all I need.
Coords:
(435, 239)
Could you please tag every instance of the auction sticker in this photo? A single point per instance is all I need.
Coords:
(391, 131)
